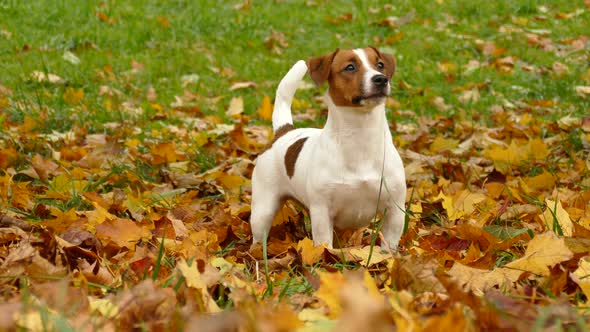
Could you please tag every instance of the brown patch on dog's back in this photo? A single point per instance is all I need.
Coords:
(278, 134)
(292, 154)
(282, 131)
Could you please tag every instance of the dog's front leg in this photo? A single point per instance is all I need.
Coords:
(393, 225)
(322, 227)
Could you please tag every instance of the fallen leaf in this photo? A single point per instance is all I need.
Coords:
(242, 85)
(310, 254)
(555, 212)
(581, 276)
(441, 144)
(236, 107)
(265, 110)
(543, 251)
(374, 253)
(123, 232)
(479, 281)
(39, 76)
(582, 91)
(329, 292)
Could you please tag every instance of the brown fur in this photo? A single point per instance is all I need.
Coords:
(388, 61)
(345, 86)
(282, 131)
(292, 154)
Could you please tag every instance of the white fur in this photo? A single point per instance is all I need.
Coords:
(370, 71)
(281, 114)
(344, 174)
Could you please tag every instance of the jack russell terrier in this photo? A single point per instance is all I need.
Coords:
(349, 171)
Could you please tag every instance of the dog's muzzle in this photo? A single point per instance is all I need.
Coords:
(380, 81)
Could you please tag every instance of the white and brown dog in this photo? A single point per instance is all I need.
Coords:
(344, 173)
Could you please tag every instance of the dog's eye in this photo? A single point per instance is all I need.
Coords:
(350, 67)
(380, 65)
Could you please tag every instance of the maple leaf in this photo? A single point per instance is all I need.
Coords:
(123, 232)
(543, 251)
(461, 204)
(479, 281)
(310, 254)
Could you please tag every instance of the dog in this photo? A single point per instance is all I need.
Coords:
(349, 171)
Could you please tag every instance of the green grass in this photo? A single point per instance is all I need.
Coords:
(207, 37)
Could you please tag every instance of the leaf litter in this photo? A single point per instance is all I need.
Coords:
(138, 228)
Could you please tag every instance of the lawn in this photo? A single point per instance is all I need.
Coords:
(128, 131)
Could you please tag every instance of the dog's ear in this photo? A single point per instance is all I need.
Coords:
(388, 61)
(319, 67)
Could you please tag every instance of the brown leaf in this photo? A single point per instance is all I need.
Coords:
(122, 232)
(145, 302)
(104, 18)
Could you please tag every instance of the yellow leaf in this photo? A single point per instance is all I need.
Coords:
(265, 110)
(478, 281)
(441, 144)
(446, 67)
(537, 149)
(544, 250)
(543, 181)
(104, 307)
(197, 280)
(191, 275)
(310, 254)
(461, 204)
(164, 153)
(364, 308)
(330, 286)
(229, 181)
(563, 219)
(516, 154)
(315, 315)
(581, 276)
(62, 185)
(73, 96)
(376, 255)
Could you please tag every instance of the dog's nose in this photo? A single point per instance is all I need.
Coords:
(379, 80)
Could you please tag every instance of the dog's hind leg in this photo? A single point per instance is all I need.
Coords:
(265, 205)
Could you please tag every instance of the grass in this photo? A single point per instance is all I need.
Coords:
(223, 45)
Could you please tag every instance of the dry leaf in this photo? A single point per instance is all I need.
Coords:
(265, 110)
(543, 251)
(236, 107)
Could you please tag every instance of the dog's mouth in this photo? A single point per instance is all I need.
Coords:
(359, 100)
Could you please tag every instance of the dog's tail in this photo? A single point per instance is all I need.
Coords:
(281, 114)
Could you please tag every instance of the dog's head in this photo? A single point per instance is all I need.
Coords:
(358, 77)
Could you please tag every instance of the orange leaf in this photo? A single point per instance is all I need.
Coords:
(122, 232)
(103, 17)
(310, 254)
(265, 110)
(73, 96)
(164, 153)
(7, 157)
